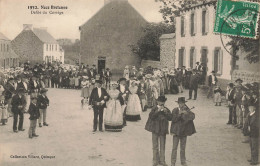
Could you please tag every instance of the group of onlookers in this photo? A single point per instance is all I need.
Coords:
(243, 103)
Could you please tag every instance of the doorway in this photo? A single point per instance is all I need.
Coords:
(101, 63)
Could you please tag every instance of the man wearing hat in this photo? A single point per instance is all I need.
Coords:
(18, 105)
(97, 100)
(182, 126)
(158, 124)
(193, 85)
(9, 93)
(252, 129)
(231, 104)
(43, 103)
(24, 85)
(212, 82)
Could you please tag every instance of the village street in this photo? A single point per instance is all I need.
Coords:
(70, 139)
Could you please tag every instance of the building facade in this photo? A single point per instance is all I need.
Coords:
(8, 58)
(37, 45)
(196, 42)
(106, 38)
(167, 50)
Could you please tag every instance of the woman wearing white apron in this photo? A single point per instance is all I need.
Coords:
(113, 113)
(134, 108)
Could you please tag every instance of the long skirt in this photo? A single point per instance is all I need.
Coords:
(85, 92)
(113, 116)
(3, 115)
(133, 109)
(217, 97)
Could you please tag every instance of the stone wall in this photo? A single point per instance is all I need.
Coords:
(167, 50)
(154, 64)
(28, 47)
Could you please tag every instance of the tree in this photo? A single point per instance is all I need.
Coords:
(148, 46)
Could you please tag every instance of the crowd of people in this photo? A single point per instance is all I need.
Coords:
(243, 103)
(23, 90)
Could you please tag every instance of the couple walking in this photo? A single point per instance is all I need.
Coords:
(182, 126)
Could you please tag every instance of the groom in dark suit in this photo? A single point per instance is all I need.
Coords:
(97, 100)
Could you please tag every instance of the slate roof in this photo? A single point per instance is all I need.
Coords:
(121, 10)
(3, 37)
(44, 36)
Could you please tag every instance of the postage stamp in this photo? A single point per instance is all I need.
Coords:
(237, 18)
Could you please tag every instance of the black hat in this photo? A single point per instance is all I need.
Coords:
(213, 71)
(43, 90)
(99, 81)
(231, 85)
(181, 100)
(121, 79)
(162, 99)
(197, 62)
(239, 80)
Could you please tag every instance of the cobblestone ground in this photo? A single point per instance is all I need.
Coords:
(70, 139)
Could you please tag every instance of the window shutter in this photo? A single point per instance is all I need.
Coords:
(213, 58)
(189, 59)
(184, 23)
(195, 23)
(207, 22)
(221, 61)
(194, 58)
(184, 57)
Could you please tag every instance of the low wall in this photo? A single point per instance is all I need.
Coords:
(154, 64)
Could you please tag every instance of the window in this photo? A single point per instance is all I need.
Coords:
(205, 22)
(3, 47)
(192, 24)
(182, 26)
(7, 47)
(192, 57)
(46, 47)
(56, 47)
(217, 60)
(181, 57)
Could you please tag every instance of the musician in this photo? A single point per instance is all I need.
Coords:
(97, 100)
(182, 126)
(157, 123)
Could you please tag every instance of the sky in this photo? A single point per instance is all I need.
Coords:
(15, 13)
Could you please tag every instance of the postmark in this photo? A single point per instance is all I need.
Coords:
(237, 18)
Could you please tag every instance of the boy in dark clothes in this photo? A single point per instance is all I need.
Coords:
(34, 115)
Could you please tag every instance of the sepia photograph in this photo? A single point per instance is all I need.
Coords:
(129, 82)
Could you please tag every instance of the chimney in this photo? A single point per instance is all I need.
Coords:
(27, 26)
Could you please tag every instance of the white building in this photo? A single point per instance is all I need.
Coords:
(37, 45)
(196, 42)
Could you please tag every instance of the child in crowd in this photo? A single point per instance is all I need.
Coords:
(34, 115)
(3, 110)
(85, 90)
(217, 96)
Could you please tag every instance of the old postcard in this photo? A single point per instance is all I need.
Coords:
(129, 82)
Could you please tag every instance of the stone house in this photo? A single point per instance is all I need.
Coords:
(37, 45)
(167, 50)
(8, 58)
(105, 39)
